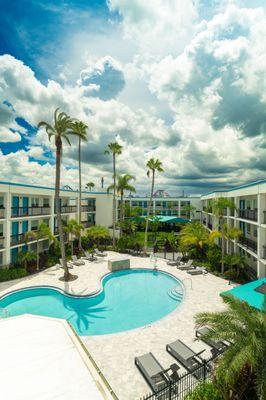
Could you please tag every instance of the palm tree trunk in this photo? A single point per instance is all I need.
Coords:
(38, 258)
(114, 201)
(223, 240)
(57, 207)
(79, 213)
(148, 214)
(121, 213)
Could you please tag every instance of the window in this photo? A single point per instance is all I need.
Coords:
(1, 230)
(46, 202)
(46, 221)
(1, 202)
(34, 225)
(255, 231)
(35, 202)
(1, 259)
(248, 229)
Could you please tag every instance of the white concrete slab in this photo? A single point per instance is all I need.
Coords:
(40, 359)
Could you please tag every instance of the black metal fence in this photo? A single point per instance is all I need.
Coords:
(187, 382)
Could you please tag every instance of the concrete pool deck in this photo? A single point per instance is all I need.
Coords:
(115, 353)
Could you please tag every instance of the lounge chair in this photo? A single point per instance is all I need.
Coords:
(185, 266)
(156, 376)
(100, 253)
(69, 264)
(218, 347)
(186, 356)
(197, 271)
(174, 263)
(90, 256)
(76, 261)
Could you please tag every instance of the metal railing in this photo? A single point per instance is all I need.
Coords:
(86, 208)
(68, 209)
(249, 243)
(251, 215)
(186, 383)
(29, 211)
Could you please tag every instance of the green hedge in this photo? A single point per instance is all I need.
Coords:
(205, 391)
(12, 273)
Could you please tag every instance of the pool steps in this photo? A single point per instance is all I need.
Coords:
(175, 294)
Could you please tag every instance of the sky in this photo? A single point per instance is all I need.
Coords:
(182, 81)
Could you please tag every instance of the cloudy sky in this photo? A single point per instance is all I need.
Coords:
(184, 81)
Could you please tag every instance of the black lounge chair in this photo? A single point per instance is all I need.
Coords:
(153, 372)
(174, 263)
(186, 356)
(218, 347)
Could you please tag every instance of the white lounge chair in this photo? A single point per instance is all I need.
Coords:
(76, 261)
(185, 266)
(100, 253)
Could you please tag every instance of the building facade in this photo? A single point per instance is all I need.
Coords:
(24, 207)
(169, 206)
(249, 216)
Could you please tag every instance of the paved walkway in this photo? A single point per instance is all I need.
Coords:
(115, 353)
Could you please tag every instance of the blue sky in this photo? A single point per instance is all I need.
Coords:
(184, 82)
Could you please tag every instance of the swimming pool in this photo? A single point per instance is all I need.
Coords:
(128, 299)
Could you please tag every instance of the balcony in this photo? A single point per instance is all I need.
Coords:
(2, 242)
(2, 212)
(87, 208)
(18, 239)
(68, 209)
(249, 243)
(251, 215)
(29, 211)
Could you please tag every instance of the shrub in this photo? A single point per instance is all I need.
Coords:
(205, 391)
(12, 273)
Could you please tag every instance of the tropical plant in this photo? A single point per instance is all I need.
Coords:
(244, 327)
(26, 257)
(123, 185)
(73, 229)
(43, 232)
(205, 391)
(60, 130)
(194, 236)
(97, 233)
(90, 185)
(236, 264)
(79, 129)
(115, 149)
(153, 165)
(218, 208)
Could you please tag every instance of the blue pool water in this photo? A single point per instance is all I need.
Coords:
(129, 299)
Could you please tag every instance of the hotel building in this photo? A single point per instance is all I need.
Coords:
(249, 216)
(24, 207)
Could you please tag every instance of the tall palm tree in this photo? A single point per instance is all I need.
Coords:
(123, 185)
(60, 130)
(153, 165)
(115, 149)
(90, 185)
(218, 207)
(42, 232)
(245, 328)
(73, 229)
(80, 130)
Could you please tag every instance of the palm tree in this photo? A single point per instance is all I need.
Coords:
(218, 207)
(98, 232)
(80, 130)
(236, 264)
(115, 149)
(26, 256)
(123, 185)
(245, 328)
(42, 232)
(90, 185)
(153, 165)
(61, 130)
(194, 236)
(73, 229)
